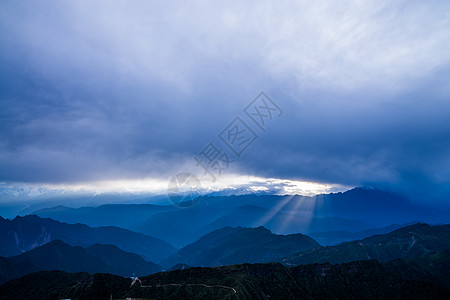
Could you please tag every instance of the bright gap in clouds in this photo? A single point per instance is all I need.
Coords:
(226, 185)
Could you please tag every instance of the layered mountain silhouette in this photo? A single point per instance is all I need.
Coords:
(424, 278)
(356, 210)
(26, 233)
(407, 242)
(229, 245)
(121, 215)
(412, 262)
(227, 233)
(57, 255)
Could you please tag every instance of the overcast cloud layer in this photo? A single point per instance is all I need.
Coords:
(101, 90)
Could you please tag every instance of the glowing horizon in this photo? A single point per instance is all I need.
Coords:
(229, 184)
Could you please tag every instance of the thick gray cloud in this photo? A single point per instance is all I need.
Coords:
(92, 90)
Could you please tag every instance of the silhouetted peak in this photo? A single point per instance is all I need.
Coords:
(260, 229)
(54, 244)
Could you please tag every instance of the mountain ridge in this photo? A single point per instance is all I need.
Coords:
(57, 255)
(354, 210)
(407, 242)
(232, 245)
(25, 233)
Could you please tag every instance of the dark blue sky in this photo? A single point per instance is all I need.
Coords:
(92, 91)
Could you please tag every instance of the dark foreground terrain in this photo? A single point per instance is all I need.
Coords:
(426, 277)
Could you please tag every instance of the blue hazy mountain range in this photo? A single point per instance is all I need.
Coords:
(330, 238)
(57, 255)
(355, 210)
(229, 246)
(26, 233)
(407, 242)
(225, 246)
(425, 247)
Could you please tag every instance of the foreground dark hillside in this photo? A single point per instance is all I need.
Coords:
(424, 278)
